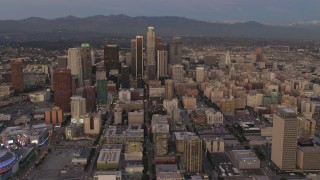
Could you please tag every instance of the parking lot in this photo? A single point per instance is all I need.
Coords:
(58, 165)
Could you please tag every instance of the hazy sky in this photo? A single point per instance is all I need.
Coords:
(265, 11)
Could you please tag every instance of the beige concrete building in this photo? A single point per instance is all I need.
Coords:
(213, 117)
(78, 108)
(169, 104)
(214, 145)
(92, 123)
(254, 99)
(136, 117)
(266, 131)
(161, 137)
(192, 156)
(125, 95)
(240, 103)
(287, 100)
(179, 138)
(169, 89)
(307, 126)
(216, 95)
(200, 74)
(133, 151)
(177, 73)
(117, 114)
(189, 102)
(228, 105)
(284, 138)
(308, 157)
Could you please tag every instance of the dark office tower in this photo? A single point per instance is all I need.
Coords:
(86, 61)
(62, 62)
(17, 75)
(259, 57)
(159, 44)
(152, 72)
(125, 77)
(90, 95)
(139, 58)
(62, 88)
(102, 91)
(111, 57)
(169, 89)
(162, 63)
(175, 51)
(151, 53)
(133, 58)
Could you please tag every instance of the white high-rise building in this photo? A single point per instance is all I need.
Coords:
(200, 74)
(162, 64)
(151, 46)
(78, 108)
(177, 73)
(75, 64)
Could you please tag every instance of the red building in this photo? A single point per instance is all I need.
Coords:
(17, 75)
(62, 85)
(90, 95)
(165, 159)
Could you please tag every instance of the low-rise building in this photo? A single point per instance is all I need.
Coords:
(307, 126)
(107, 175)
(133, 151)
(136, 117)
(214, 145)
(134, 168)
(42, 96)
(119, 135)
(189, 102)
(168, 172)
(245, 159)
(213, 117)
(308, 157)
(130, 105)
(109, 157)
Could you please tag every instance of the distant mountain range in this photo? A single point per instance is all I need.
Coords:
(70, 27)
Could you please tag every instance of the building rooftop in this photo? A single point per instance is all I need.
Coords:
(310, 149)
(168, 175)
(109, 156)
(166, 168)
(286, 112)
(183, 135)
(242, 155)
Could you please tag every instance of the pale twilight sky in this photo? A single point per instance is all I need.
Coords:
(264, 11)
